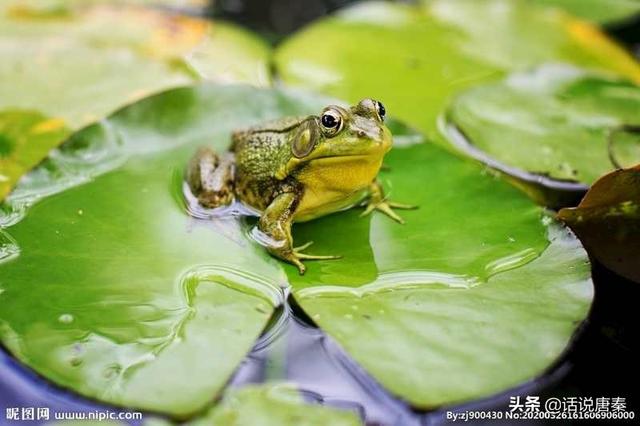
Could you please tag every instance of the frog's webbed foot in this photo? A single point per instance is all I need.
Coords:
(275, 223)
(295, 255)
(387, 207)
(377, 201)
(297, 251)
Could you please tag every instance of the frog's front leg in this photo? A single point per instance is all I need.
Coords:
(275, 223)
(378, 201)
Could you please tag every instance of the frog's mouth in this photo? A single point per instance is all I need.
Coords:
(333, 158)
(348, 152)
(352, 162)
(349, 160)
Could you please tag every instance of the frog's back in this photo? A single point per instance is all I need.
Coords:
(278, 125)
(259, 151)
(267, 130)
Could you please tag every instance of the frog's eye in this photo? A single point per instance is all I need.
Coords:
(380, 110)
(331, 121)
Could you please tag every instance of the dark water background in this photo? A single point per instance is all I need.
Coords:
(603, 361)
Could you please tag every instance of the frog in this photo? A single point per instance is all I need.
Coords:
(296, 169)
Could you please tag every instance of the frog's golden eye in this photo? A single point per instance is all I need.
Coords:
(380, 109)
(331, 122)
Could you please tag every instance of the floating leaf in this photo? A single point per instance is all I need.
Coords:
(79, 64)
(25, 139)
(110, 287)
(477, 293)
(116, 259)
(273, 404)
(414, 58)
(84, 63)
(601, 11)
(607, 221)
(557, 127)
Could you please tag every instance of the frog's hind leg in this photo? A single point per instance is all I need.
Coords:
(211, 177)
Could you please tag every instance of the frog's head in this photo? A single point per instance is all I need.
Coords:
(342, 132)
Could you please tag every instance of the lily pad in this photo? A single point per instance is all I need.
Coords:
(273, 404)
(478, 292)
(25, 139)
(607, 221)
(600, 11)
(557, 127)
(77, 64)
(415, 58)
(110, 287)
(54, 64)
(444, 300)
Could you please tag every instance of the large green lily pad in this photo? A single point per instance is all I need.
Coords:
(135, 296)
(110, 287)
(80, 64)
(554, 125)
(77, 64)
(478, 292)
(414, 58)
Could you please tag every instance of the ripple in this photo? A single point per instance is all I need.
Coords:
(233, 278)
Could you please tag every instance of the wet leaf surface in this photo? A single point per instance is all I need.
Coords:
(136, 298)
(110, 287)
(77, 64)
(478, 292)
(607, 221)
(553, 126)
(469, 225)
(437, 50)
(119, 53)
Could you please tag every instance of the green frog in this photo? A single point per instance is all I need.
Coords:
(296, 169)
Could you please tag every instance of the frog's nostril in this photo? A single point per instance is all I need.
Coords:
(361, 134)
